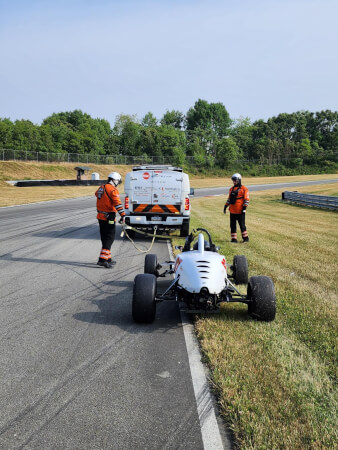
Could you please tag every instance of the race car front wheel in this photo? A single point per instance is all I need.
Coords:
(261, 298)
(150, 264)
(144, 305)
(240, 269)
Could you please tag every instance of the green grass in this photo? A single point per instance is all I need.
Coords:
(276, 382)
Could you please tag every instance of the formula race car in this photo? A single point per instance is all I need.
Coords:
(201, 282)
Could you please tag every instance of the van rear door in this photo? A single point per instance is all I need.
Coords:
(141, 187)
(166, 187)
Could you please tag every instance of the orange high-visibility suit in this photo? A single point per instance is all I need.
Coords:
(108, 203)
(240, 196)
(238, 200)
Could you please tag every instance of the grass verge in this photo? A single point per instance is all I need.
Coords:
(276, 382)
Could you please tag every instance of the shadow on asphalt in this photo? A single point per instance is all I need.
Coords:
(111, 313)
(117, 310)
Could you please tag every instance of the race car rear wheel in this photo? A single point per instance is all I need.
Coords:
(240, 269)
(262, 298)
(150, 264)
(144, 305)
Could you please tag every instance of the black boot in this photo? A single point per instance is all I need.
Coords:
(109, 264)
(246, 239)
(234, 240)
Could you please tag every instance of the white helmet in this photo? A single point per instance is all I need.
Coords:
(237, 177)
(115, 178)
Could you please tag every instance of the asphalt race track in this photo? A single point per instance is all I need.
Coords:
(76, 371)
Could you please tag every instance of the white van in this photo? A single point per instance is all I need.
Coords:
(157, 195)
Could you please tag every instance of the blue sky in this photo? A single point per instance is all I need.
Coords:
(259, 58)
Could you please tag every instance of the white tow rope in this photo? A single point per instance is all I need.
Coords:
(124, 228)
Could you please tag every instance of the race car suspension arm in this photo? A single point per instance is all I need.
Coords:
(163, 295)
(165, 273)
(236, 292)
(169, 271)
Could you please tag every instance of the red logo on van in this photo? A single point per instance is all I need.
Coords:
(146, 175)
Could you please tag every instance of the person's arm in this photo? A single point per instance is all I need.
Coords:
(246, 200)
(227, 203)
(116, 201)
(119, 209)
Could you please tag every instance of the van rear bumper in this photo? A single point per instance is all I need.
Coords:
(147, 222)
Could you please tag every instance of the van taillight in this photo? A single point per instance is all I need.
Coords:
(126, 203)
(187, 204)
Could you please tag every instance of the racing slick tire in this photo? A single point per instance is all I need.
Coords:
(150, 264)
(144, 305)
(262, 298)
(184, 231)
(240, 269)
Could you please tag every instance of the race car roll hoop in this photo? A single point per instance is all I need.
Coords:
(201, 282)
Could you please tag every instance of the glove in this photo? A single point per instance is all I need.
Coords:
(121, 221)
(244, 210)
(225, 209)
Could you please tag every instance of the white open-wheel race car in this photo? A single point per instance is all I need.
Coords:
(201, 281)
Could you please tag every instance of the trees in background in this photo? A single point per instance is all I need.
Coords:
(78, 132)
(207, 124)
(211, 117)
(173, 119)
(205, 134)
(291, 140)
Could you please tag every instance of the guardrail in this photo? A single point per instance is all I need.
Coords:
(317, 201)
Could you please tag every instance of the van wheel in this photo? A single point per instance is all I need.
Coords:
(144, 305)
(150, 264)
(262, 298)
(184, 232)
(240, 269)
